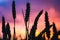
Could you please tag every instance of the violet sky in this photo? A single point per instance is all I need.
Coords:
(51, 6)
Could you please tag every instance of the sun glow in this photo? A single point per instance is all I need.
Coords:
(58, 36)
(37, 33)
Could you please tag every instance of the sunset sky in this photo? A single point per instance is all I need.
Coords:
(51, 6)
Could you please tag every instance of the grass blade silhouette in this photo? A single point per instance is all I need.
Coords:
(47, 25)
(55, 32)
(13, 10)
(14, 17)
(3, 28)
(8, 31)
(34, 27)
(3, 24)
(27, 12)
(54, 28)
(26, 19)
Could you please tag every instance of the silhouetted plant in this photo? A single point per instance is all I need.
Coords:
(47, 28)
(14, 17)
(55, 35)
(27, 12)
(26, 19)
(3, 24)
(47, 25)
(13, 9)
(14, 35)
(8, 31)
(34, 27)
(3, 28)
(54, 28)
